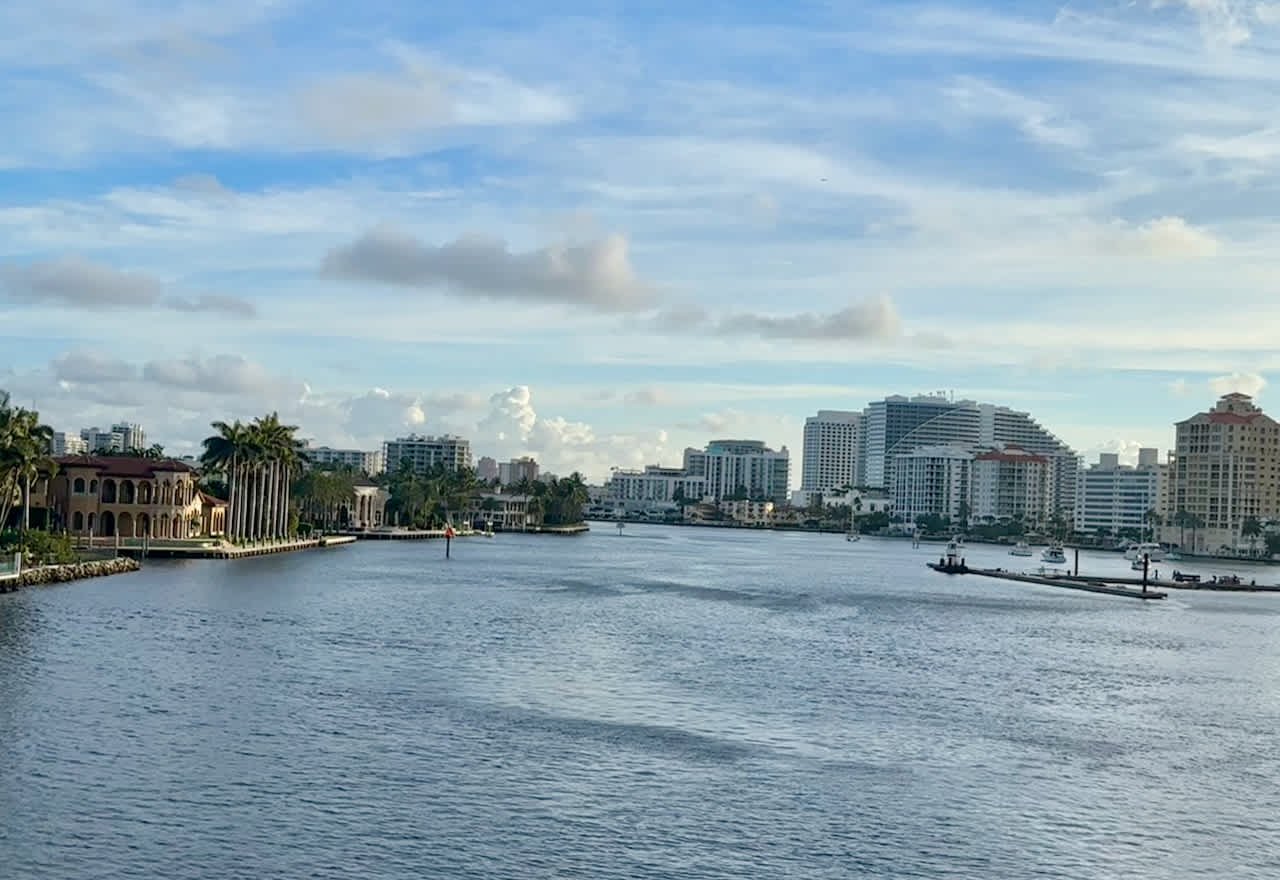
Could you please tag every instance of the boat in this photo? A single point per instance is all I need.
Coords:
(853, 536)
(1154, 552)
(953, 562)
(1020, 549)
(1172, 556)
(1137, 565)
(1053, 553)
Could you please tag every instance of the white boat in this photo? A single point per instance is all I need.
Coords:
(1172, 556)
(1152, 551)
(1053, 553)
(853, 536)
(1021, 549)
(1137, 565)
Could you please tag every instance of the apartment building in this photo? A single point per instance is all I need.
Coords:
(1112, 497)
(1012, 483)
(731, 467)
(933, 481)
(1225, 470)
(365, 461)
(424, 453)
(832, 444)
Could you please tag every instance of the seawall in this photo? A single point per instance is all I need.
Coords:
(61, 574)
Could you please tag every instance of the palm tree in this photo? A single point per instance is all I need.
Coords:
(228, 451)
(24, 455)
(1251, 529)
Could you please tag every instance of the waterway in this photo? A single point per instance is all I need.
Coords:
(671, 702)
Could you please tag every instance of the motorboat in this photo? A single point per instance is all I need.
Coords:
(1154, 552)
(1021, 549)
(852, 536)
(1054, 554)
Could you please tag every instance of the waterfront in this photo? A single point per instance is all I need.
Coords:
(669, 702)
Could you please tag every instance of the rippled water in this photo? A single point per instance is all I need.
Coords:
(669, 703)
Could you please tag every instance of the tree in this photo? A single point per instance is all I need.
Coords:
(1251, 529)
(24, 456)
(260, 460)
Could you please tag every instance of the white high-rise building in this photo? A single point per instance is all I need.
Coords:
(898, 425)
(832, 442)
(365, 461)
(730, 467)
(423, 453)
(1117, 497)
(1012, 483)
(68, 444)
(933, 481)
(95, 440)
(131, 436)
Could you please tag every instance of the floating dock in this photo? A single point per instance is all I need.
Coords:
(1083, 585)
(1220, 586)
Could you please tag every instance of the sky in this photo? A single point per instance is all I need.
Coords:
(600, 232)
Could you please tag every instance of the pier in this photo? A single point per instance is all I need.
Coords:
(1062, 582)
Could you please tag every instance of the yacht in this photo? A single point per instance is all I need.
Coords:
(1053, 554)
(852, 536)
(1153, 551)
(1020, 549)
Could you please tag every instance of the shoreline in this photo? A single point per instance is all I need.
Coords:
(45, 575)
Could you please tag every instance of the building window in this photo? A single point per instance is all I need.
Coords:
(78, 486)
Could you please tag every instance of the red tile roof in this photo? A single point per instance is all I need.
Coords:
(1012, 453)
(125, 465)
(1226, 418)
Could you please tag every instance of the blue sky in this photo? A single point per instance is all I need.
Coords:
(600, 232)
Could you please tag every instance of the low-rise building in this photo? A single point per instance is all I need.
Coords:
(654, 489)
(369, 505)
(500, 511)
(740, 467)
(748, 513)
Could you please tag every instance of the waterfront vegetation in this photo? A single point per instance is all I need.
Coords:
(259, 460)
(24, 455)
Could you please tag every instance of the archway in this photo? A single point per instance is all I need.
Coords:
(108, 523)
(127, 495)
(144, 493)
(93, 487)
(77, 522)
(124, 525)
(177, 527)
(144, 524)
(108, 492)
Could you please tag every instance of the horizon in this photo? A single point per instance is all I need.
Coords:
(599, 237)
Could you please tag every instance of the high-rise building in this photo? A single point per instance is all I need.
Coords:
(423, 453)
(898, 425)
(68, 444)
(1012, 483)
(933, 481)
(96, 440)
(487, 469)
(131, 436)
(733, 467)
(1118, 497)
(366, 461)
(1225, 470)
(832, 442)
(516, 470)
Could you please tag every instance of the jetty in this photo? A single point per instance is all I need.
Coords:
(1062, 582)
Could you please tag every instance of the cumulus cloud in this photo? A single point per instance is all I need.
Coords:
(595, 274)
(91, 367)
(1243, 383)
(513, 427)
(73, 281)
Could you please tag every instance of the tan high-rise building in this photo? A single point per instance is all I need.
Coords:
(1225, 470)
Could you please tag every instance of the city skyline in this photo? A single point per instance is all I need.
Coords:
(600, 238)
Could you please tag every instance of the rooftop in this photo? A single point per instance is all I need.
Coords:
(125, 465)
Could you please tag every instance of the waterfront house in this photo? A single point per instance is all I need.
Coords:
(132, 497)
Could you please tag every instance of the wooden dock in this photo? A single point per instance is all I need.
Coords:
(1083, 585)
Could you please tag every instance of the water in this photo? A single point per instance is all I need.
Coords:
(670, 703)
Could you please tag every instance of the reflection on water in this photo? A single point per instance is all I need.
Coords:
(672, 702)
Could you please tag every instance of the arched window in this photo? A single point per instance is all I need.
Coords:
(93, 521)
(108, 522)
(108, 492)
(77, 521)
(126, 492)
(93, 487)
(144, 493)
(144, 524)
(78, 486)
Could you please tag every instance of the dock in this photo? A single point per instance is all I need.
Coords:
(213, 548)
(1219, 586)
(1084, 585)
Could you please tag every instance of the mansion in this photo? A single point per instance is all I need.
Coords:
(131, 497)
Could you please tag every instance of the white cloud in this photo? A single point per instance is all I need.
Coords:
(1164, 237)
(1244, 383)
